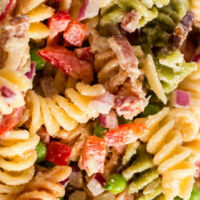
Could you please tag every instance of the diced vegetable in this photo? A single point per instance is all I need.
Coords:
(40, 62)
(58, 153)
(76, 177)
(122, 120)
(8, 122)
(30, 74)
(195, 193)
(75, 33)
(47, 164)
(125, 134)
(41, 152)
(116, 183)
(60, 198)
(100, 131)
(66, 61)
(109, 120)
(196, 58)
(65, 182)
(96, 183)
(7, 92)
(180, 99)
(58, 23)
(151, 109)
(89, 9)
(93, 155)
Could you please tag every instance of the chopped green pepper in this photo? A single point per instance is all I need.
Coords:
(122, 120)
(99, 130)
(151, 109)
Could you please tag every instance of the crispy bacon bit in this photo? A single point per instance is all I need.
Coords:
(93, 155)
(182, 30)
(125, 55)
(130, 21)
(129, 106)
(44, 135)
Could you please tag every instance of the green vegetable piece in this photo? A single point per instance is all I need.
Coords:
(40, 63)
(60, 198)
(47, 164)
(116, 183)
(100, 131)
(122, 120)
(41, 152)
(151, 109)
(195, 193)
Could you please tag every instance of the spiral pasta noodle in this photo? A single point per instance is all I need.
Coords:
(17, 158)
(37, 12)
(59, 112)
(195, 8)
(46, 185)
(114, 12)
(168, 129)
(147, 174)
(15, 82)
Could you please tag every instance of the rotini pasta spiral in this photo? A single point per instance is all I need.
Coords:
(37, 12)
(167, 130)
(46, 185)
(147, 175)
(191, 84)
(16, 84)
(17, 158)
(195, 8)
(58, 111)
(114, 12)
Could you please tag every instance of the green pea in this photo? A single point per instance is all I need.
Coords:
(40, 63)
(100, 131)
(116, 183)
(151, 109)
(122, 120)
(41, 152)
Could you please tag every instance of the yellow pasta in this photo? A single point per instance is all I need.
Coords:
(17, 158)
(167, 130)
(16, 82)
(46, 185)
(37, 12)
(195, 8)
(61, 112)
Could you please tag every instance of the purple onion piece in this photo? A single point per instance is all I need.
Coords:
(100, 179)
(7, 92)
(65, 182)
(30, 74)
(196, 58)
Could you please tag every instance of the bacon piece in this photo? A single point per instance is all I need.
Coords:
(130, 21)
(182, 30)
(129, 106)
(125, 55)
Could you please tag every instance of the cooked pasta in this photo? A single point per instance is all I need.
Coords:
(17, 158)
(37, 12)
(195, 7)
(46, 185)
(142, 174)
(113, 13)
(167, 130)
(61, 112)
(15, 82)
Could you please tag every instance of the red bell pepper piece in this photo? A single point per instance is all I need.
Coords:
(58, 23)
(93, 155)
(66, 61)
(75, 33)
(125, 134)
(58, 153)
(8, 122)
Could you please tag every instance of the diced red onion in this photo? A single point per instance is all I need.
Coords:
(180, 98)
(76, 178)
(89, 9)
(65, 182)
(103, 104)
(130, 21)
(7, 92)
(31, 73)
(96, 184)
(196, 58)
(109, 120)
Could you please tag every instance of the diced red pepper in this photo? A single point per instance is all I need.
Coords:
(58, 153)
(75, 33)
(58, 23)
(8, 122)
(93, 155)
(125, 134)
(66, 61)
